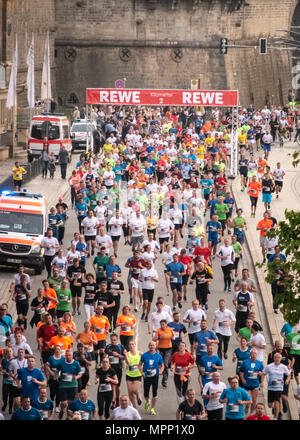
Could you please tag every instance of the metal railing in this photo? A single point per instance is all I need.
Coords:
(33, 169)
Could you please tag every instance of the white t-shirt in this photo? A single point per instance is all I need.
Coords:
(176, 216)
(90, 226)
(71, 255)
(259, 339)
(167, 309)
(129, 413)
(100, 211)
(16, 365)
(168, 257)
(175, 250)
(50, 250)
(164, 227)
(270, 244)
(146, 275)
(278, 174)
(108, 177)
(228, 252)
(211, 388)
(104, 240)
(116, 226)
(17, 278)
(23, 345)
(154, 245)
(148, 256)
(61, 263)
(138, 225)
(126, 213)
(223, 317)
(196, 316)
(156, 317)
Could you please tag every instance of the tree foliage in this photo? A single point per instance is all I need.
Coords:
(288, 234)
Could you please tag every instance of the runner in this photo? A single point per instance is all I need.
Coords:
(133, 373)
(106, 378)
(234, 397)
(278, 175)
(211, 392)
(99, 326)
(190, 409)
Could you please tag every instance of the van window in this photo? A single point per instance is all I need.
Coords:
(66, 132)
(26, 223)
(40, 130)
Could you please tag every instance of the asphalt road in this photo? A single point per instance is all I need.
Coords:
(167, 402)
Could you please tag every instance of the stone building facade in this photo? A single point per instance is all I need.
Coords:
(152, 43)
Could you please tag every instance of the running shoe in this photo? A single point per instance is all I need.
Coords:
(179, 305)
(143, 316)
(147, 406)
(153, 413)
(146, 319)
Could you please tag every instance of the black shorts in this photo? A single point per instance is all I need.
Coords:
(223, 223)
(15, 391)
(89, 238)
(278, 183)
(115, 238)
(244, 172)
(133, 379)
(236, 263)
(228, 214)
(206, 196)
(185, 279)
(191, 338)
(60, 313)
(253, 200)
(163, 240)
(148, 294)
(45, 356)
(100, 344)
(296, 364)
(249, 388)
(17, 182)
(274, 396)
(179, 226)
(148, 382)
(22, 307)
(76, 291)
(67, 394)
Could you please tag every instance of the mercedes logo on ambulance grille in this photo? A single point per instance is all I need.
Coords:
(15, 247)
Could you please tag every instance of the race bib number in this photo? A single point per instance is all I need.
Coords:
(67, 377)
(233, 408)
(105, 387)
(151, 372)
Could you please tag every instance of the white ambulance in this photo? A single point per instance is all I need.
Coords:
(56, 128)
(23, 219)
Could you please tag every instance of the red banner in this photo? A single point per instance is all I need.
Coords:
(215, 98)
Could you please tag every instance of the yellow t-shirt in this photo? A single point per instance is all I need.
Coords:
(242, 139)
(209, 140)
(18, 173)
(200, 151)
(107, 148)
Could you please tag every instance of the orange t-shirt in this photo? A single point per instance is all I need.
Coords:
(164, 337)
(127, 322)
(254, 188)
(66, 326)
(64, 343)
(87, 339)
(261, 164)
(51, 293)
(100, 323)
(264, 224)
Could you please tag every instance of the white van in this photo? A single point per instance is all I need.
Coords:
(55, 127)
(23, 219)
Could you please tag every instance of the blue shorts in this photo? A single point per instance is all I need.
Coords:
(267, 198)
(267, 147)
(176, 286)
(213, 238)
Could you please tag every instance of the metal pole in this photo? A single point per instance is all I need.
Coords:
(234, 143)
(14, 133)
(88, 117)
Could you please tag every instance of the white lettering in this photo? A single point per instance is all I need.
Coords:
(196, 98)
(136, 97)
(124, 96)
(186, 98)
(208, 97)
(103, 96)
(113, 96)
(219, 98)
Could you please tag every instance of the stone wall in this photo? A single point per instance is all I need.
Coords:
(154, 43)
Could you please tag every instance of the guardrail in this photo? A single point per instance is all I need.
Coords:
(33, 169)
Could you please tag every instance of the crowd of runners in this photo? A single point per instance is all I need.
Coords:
(160, 186)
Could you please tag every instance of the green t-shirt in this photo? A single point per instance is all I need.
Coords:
(93, 201)
(245, 333)
(220, 210)
(239, 221)
(63, 297)
(294, 341)
(55, 283)
(101, 262)
(115, 193)
(237, 247)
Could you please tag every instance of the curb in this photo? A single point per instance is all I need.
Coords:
(266, 298)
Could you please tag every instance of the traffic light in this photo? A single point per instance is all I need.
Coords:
(263, 46)
(223, 46)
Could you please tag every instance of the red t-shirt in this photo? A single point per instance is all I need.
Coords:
(205, 252)
(135, 266)
(46, 332)
(255, 417)
(182, 360)
(185, 260)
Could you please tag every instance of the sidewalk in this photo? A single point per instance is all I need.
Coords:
(289, 198)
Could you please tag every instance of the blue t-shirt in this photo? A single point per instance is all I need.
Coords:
(31, 414)
(175, 269)
(44, 408)
(177, 330)
(211, 204)
(241, 357)
(30, 388)
(86, 409)
(118, 177)
(286, 329)
(281, 256)
(54, 363)
(206, 185)
(151, 363)
(229, 203)
(207, 362)
(201, 338)
(185, 169)
(248, 367)
(110, 269)
(82, 209)
(80, 247)
(68, 371)
(233, 409)
(213, 228)
(53, 221)
(6, 322)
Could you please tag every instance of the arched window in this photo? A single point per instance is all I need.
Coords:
(72, 99)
